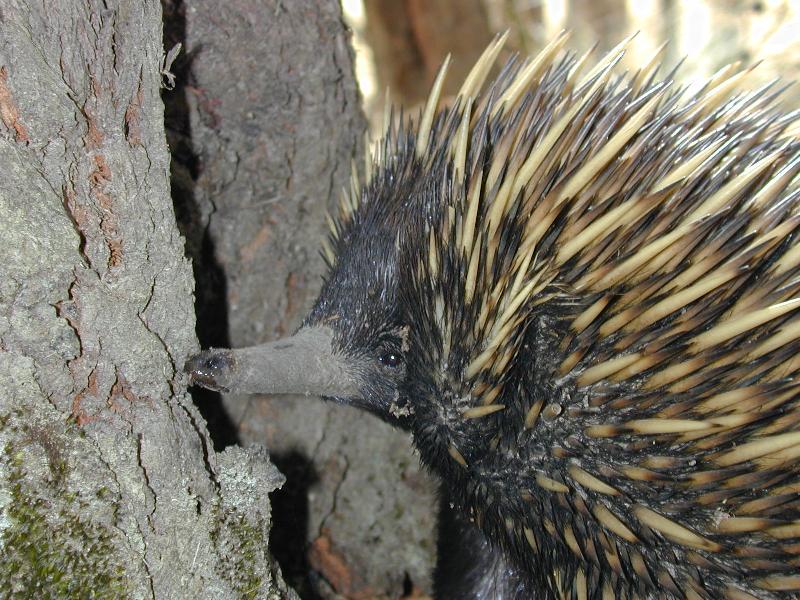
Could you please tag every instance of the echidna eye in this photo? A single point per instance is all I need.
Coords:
(390, 359)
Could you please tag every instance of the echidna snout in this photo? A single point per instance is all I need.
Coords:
(579, 290)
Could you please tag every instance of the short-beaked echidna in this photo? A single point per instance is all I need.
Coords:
(580, 292)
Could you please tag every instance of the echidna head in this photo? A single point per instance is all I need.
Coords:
(359, 313)
(352, 346)
(374, 338)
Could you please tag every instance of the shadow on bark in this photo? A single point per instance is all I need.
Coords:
(210, 285)
(290, 525)
(290, 508)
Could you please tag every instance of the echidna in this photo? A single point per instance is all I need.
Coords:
(581, 294)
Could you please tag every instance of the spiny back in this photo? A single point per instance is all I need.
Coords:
(603, 278)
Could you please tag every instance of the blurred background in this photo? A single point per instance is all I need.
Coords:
(400, 44)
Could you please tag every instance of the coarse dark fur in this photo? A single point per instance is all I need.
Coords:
(612, 410)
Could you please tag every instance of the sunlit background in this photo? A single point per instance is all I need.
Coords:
(400, 43)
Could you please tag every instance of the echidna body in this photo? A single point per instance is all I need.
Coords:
(580, 292)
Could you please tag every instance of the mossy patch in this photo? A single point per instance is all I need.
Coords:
(242, 549)
(50, 546)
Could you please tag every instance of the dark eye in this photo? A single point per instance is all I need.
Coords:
(390, 359)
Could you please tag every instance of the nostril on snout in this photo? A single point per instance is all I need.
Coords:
(205, 368)
(218, 360)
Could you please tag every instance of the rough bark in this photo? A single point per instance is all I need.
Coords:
(264, 125)
(109, 486)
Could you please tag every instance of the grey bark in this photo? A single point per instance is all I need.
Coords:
(109, 486)
(264, 126)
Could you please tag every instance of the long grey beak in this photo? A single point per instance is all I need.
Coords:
(301, 364)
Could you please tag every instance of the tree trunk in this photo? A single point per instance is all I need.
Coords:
(109, 486)
(264, 125)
